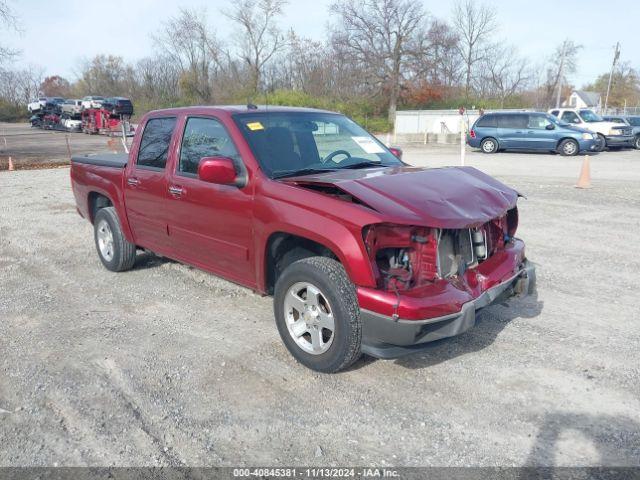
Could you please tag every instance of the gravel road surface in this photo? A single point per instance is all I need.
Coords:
(167, 365)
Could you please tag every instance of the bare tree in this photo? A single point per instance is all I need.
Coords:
(382, 38)
(10, 21)
(474, 24)
(104, 75)
(561, 64)
(506, 72)
(261, 38)
(186, 40)
(439, 65)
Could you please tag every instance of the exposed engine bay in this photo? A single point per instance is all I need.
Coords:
(407, 257)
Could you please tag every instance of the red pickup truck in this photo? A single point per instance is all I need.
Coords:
(361, 252)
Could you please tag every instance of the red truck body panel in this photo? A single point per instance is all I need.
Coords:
(226, 229)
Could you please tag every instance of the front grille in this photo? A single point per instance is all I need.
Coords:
(455, 252)
(461, 249)
(623, 130)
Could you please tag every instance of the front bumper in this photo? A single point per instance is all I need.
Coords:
(386, 337)
(587, 145)
(619, 140)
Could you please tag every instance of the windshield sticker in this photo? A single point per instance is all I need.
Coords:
(368, 144)
(255, 126)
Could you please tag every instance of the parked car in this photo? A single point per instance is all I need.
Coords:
(37, 105)
(71, 124)
(609, 134)
(72, 107)
(362, 253)
(92, 101)
(118, 106)
(631, 121)
(528, 131)
(45, 103)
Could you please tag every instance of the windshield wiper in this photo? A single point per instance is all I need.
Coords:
(302, 171)
(364, 163)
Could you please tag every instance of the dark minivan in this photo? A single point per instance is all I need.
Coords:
(529, 131)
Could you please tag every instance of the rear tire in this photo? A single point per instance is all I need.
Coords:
(114, 250)
(568, 148)
(602, 143)
(489, 145)
(317, 314)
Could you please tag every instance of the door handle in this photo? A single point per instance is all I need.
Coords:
(134, 182)
(518, 131)
(176, 191)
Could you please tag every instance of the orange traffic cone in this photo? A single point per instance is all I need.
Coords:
(11, 167)
(584, 181)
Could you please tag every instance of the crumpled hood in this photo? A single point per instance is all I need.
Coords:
(450, 197)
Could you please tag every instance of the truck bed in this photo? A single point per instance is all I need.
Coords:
(114, 160)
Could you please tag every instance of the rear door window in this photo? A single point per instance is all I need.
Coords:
(513, 121)
(488, 121)
(155, 142)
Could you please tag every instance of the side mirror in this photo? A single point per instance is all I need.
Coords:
(397, 152)
(551, 126)
(218, 170)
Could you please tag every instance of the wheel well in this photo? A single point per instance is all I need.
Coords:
(566, 138)
(96, 202)
(283, 249)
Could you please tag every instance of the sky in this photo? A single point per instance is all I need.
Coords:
(58, 35)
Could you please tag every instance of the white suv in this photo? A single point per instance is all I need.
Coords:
(610, 134)
(92, 101)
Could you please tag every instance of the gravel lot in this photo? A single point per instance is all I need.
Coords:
(36, 148)
(167, 365)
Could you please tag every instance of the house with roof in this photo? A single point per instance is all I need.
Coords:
(583, 99)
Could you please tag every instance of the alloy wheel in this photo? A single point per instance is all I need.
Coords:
(309, 318)
(105, 240)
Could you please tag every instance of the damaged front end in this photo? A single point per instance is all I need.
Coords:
(431, 281)
(406, 257)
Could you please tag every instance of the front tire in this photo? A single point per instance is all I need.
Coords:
(636, 143)
(317, 314)
(568, 148)
(115, 251)
(602, 143)
(489, 145)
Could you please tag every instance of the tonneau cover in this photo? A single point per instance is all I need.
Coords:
(114, 160)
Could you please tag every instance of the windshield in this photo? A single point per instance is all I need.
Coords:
(288, 142)
(590, 117)
(634, 121)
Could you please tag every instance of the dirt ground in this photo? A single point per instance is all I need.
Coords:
(167, 365)
(36, 148)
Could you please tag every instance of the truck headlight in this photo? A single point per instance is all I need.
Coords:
(588, 136)
(615, 131)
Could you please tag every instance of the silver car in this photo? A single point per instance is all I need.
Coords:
(72, 106)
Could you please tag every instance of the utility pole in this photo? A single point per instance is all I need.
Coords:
(616, 56)
(561, 73)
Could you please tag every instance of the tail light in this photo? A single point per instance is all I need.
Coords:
(472, 133)
(397, 152)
